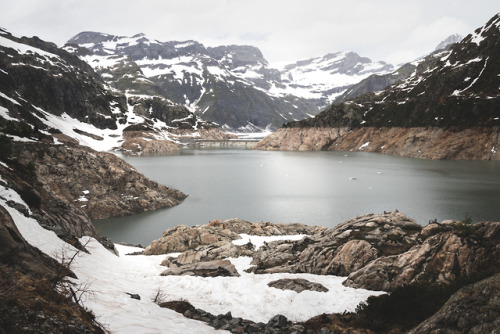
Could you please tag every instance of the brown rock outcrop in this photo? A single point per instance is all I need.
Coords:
(385, 251)
(204, 269)
(241, 226)
(146, 143)
(457, 250)
(218, 251)
(475, 143)
(99, 184)
(183, 238)
(338, 251)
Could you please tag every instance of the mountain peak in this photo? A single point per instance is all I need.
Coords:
(455, 38)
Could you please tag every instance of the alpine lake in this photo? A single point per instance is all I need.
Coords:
(314, 188)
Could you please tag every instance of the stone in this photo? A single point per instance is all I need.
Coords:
(102, 185)
(297, 284)
(183, 238)
(134, 295)
(217, 251)
(473, 309)
(204, 269)
(342, 249)
(441, 258)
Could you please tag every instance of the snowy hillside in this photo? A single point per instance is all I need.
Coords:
(325, 78)
(228, 85)
(110, 279)
(233, 86)
(455, 87)
(48, 94)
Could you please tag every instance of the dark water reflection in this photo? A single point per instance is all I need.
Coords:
(316, 188)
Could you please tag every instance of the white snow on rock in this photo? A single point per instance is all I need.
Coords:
(111, 277)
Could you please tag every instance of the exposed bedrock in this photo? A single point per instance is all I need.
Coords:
(475, 143)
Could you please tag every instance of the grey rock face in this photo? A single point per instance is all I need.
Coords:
(382, 252)
(204, 269)
(298, 285)
(183, 238)
(217, 251)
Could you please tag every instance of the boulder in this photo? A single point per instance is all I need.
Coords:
(297, 284)
(218, 251)
(241, 226)
(204, 269)
(385, 251)
(342, 249)
(473, 309)
(182, 238)
(458, 250)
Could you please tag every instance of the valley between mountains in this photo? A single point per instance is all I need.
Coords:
(64, 112)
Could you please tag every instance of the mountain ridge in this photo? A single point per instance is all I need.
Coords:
(447, 92)
(233, 86)
(48, 94)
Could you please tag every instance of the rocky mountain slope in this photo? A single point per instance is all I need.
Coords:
(448, 108)
(227, 85)
(48, 94)
(233, 86)
(378, 82)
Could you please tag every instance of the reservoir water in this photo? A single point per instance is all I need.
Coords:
(314, 188)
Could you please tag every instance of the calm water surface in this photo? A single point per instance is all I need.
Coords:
(315, 188)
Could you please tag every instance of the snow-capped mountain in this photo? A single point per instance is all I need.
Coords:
(233, 86)
(448, 107)
(455, 87)
(323, 79)
(228, 85)
(48, 94)
(378, 81)
(452, 39)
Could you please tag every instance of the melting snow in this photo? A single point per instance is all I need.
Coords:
(364, 145)
(112, 277)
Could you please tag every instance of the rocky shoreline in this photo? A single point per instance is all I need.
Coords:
(453, 143)
(385, 252)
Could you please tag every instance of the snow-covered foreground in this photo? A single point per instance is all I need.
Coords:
(111, 277)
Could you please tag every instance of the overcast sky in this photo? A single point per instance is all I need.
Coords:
(285, 30)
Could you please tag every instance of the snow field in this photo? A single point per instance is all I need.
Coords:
(109, 278)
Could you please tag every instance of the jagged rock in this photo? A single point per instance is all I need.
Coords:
(278, 324)
(473, 309)
(297, 284)
(16, 252)
(241, 226)
(29, 303)
(218, 251)
(134, 295)
(338, 251)
(458, 251)
(385, 251)
(204, 269)
(182, 238)
(99, 184)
